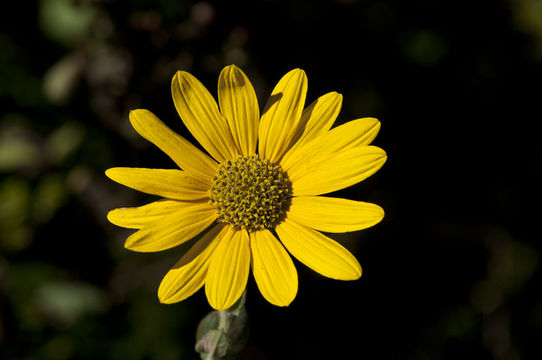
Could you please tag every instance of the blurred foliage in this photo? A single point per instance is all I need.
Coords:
(528, 18)
(452, 272)
(65, 21)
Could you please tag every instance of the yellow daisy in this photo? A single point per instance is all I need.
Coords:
(256, 198)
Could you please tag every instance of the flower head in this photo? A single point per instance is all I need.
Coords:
(256, 197)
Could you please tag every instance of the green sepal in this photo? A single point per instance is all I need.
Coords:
(222, 335)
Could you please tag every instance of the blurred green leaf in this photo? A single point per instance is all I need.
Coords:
(64, 303)
(65, 21)
(22, 278)
(17, 152)
(425, 47)
(49, 196)
(14, 204)
(60, 79)
(528, 18)
(64, 141)
(18, 148)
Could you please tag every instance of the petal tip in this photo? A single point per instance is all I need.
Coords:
(297, 72)
(163, 295)
(175, 80)
(128, 245)
(381, 212)
(281, 304)
(379, 215)
(301, 73)
(167, 300)
(163, 301)
(110, 173)
(114, 172)
(134, 114)
(231, 67)
(287, 301)
(218, 304)
(182, 75)
(132, 245)
(381, 153)
(110, 215)
(359, 274)
(355, 274)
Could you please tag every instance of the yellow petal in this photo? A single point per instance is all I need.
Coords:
(188, 274)
(273, 269)
(318, 118)
(280, 119)
(354, 133)
(199, 112)
(174, 229)
(325, 173)
(371, 127)
(169, 183)
(239, 105)
(320, 253)
(228, 270)
(333, 214)
(137, 217)
(181, 151)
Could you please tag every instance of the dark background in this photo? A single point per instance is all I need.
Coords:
(453, 271)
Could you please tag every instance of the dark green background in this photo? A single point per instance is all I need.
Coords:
(453, 271)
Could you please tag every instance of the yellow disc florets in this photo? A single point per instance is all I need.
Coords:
(251, 193)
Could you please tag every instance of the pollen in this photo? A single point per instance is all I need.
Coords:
(251, 193)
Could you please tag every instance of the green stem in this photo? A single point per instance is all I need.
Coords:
(222, 328)
(222, 334)
(223, 322)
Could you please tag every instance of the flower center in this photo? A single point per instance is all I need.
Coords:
(251, 193)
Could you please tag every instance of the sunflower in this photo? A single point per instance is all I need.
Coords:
(256, 197)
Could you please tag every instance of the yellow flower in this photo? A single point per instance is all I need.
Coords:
(262, 182)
